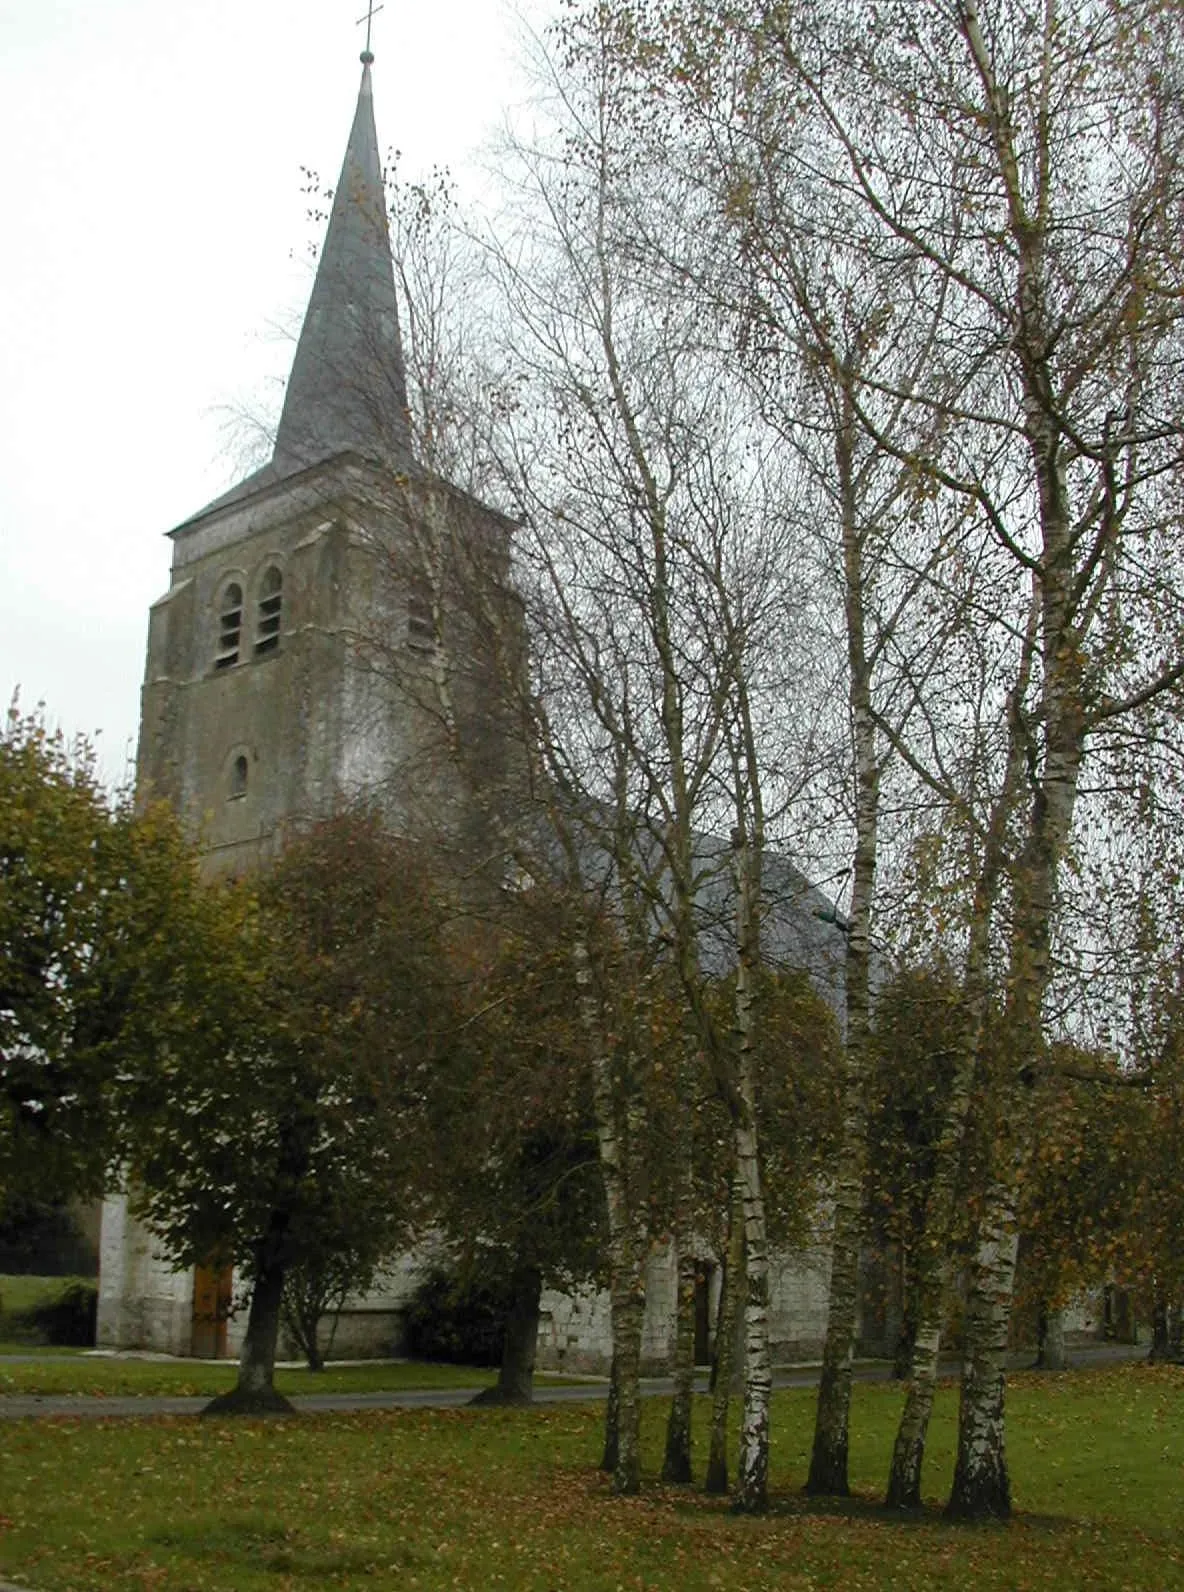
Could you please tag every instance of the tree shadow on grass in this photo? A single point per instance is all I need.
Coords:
(870, 1509)
(860, 1508)
(258, 1543)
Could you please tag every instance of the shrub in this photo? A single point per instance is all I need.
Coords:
(458, 1318)
(66, 1318)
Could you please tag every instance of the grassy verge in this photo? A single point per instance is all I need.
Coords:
(506, 1498)
(25, 1348)
(21, 1294)
(21, 1297)
(102, 1378)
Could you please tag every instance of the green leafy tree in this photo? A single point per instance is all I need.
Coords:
(104, 937)
(1081, 1209)
(58, 867)
(287, 1131)
(514, 1157)
(914, 1043)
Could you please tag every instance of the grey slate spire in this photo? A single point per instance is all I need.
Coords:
(348, 387)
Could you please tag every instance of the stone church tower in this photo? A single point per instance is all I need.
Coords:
(317, 642)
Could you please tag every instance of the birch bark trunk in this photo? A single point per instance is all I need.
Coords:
(932, 1260)
(626, 1232)
(828, 1459)
(716, 1480)
(908, 1453)
(677, 1465)
(628, 1308)
(982, 1487)
(612, 1420)
(752, 1473)
(1050, 1349)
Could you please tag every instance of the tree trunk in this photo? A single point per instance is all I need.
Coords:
(1050, 1349)
(982, 1489)
(906, 1337)
(612, 1420)
(515, 1380)
(1158, 1351)
(676, 1467)
(931, 1263)
(254, 1393)
(908, 1453)
(628, 1304)
(828, 1459)
(716, 1480)
(752, 1470)
(619, 1136)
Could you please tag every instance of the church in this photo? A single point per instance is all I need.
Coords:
(295, 661)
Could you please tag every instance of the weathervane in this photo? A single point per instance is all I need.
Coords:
(368, 19)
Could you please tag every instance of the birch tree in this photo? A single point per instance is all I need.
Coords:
(653, 562)
(1053, 135)
(1023, 164)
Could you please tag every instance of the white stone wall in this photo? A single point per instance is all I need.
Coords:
(799, 1287)
(575, 1330)
(143, 1302)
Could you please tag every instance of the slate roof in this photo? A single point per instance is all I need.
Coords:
(347, 392)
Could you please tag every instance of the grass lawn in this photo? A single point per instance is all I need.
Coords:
(478, 1499)
(19, 1293)
(72, 1372)
(18, 1296)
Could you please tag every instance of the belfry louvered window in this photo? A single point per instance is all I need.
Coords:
(230, 626)
(271, 598)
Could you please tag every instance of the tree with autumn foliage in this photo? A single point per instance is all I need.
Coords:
(914, 1041)
(509, 1162)
(288, 1124)
(106, 954)
(1024, 162)
(1079, 1206)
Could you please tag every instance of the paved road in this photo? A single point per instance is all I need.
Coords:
(26, 1406)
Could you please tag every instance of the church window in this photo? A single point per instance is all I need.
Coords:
(421, 618)
(271, 597)
(230, 626)
(239, 774)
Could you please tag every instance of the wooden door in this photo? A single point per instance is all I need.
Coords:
(211, 1311)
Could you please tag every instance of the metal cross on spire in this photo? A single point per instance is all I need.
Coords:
(371, 12)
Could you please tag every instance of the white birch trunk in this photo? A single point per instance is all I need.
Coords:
(626, 1233)
(828, 1459)
(677, 1464)
(752, 1476)
(716, 1480)
(908, 1453)
(982, 1488)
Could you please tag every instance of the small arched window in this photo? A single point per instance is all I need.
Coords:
(239, 774)
(230, 626)
(271, 597)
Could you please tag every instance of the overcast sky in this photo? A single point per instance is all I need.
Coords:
(152, 266)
